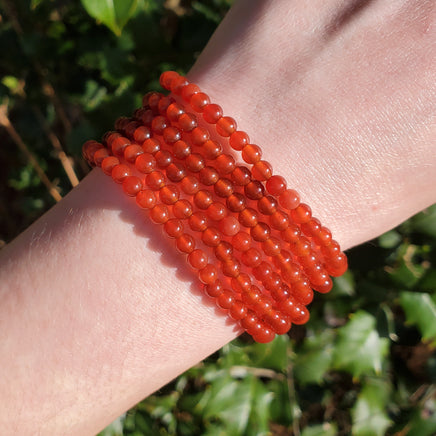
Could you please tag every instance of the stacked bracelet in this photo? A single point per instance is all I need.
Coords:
(255, 247)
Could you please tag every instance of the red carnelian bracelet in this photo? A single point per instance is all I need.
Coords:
(255, 247)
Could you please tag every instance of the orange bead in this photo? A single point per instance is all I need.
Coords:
(267, 205)
(163, 104)
(251, 153)
(238, 310)
(223, 251)
(197, 259)
(296, 311)
(254, 190)
(195, 162)
(166, 78)
(131, 152)
(262, 170)
(224, 164)
(279, 220)
(238, 140)
(323, 237)
(198, 221)
(212, 113)
(152, 99)
(231, 268)
(236, 202)
(272, 246)
(216, 211)
(159, 214)
(241, 176)
(208, 274)
(199, 101)
(223, 187)
(279, 323)
(171, 134)
(100, 155)
(337, 265)
(211, 149)
(226, 299)
(229, 226)
(251, 257)
(151, 145)
(158, 124)
(175, 172)
(185, 243)
(262, 271)
(145, 163)
(248, 217)
(241, 241)
(182, 209)
(214, 289)
(132, 185)
(174, 228)
(203, 199)
(181, 150)
(301, 247)
(225, 126)
(289, 199)
(174, 111)
(189, 90)
(272, 282)
(291, 233)
(169, 194)
(211, 237)
(177, 84)
(163, 158)
(146, 199)
(301, 214)
(260, 232)
(208, 176)
(187, 122)
(199, 136)
(241, 283)
(155, 180)
(119, 144)
(190, 185)
(120, 172)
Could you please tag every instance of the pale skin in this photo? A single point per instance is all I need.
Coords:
(98, 311)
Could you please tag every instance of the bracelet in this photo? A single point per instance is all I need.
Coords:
(256, 249)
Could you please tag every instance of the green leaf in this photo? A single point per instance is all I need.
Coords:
(425, 222)
(326, 429)
(369, 413)
(359, 348)
(389, 239)
(113, 13)
(420, 310)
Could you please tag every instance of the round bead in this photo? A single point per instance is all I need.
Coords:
(175, 172)
(279, 220)
(323, 237)
(212, 113)
(159, 214)
(212, 149)
(169, 194)
(99, 155)
(280, 324)
(262, 334)
(174, 111)
(177, 84)
(262, 271)
(155, 180)
(241, 241)
(262, 170)
(182, 209)
(289, 199)
(271, 247)
(231, 268)
(216, 211)
(241, 176)
(224, 164)
(260, 232)
(248, 217)
(151, 145)
(301, 214)
(208, 176)
(194, 162)
(225, 126)
(187, 122)
(163, 104)
(119, 144)
(166, 78)
(251, 153)
(171, 135)
(141, 134)
(146, 199)
(185, 243)
(337, 264)
(121, 122)
(211, 237)
(273, 282)
(296, 311)
(199, 136)
(120, 172)
(214, 289)
(198, 221)
(197, 259)
(251, 257)
(241, 283)
(223, 251)
(131, 152)
(238, 140)
(226, 299)
(145, 116)
(267, 205)
(229, 226)
(223, 187)
(236, 202)
(132, 185)
(254, 190)
(281, 293)
(181, 150)
(145, 163)
(312, 227)
(189, 90)
(302, 291)
(158, 124)
(301, 247)
(203, 199)
(199, 101)
(174, 228)
(152, 99)
(238, 310)
(190, 185)
(208, 274)
(331, 250)
(291, 233)
(163, 158)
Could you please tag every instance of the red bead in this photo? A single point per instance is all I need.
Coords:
(181, 150)
(216, 211)
(107, 139)
(223, 251)
(248, 217)
(146, 199)
(331, 250)
(225, 126)
(152, 99)
(272, 282)
(211, 149)
(241, 283)
(130, 128)
(231, 268)
(163, 158)
(185, 243)
(236, 202)
(199, 101)
(279, 220)
(182, 209)
(260, 232)
(262, 170)
(121, 122)
(323, 237)
(203, 199)
(131, 152)
(281, 293)
(223, 187)
(208, 274)
(199, 136)
(279, 323)
(212, 113)
(163, 104)
(208, 176)
(224, 164)
(229, 226)
(241, 241)
(177, 84)
(145, 163)
(251, 296)
(263, 335)
(251, 257)
(198, 221)
(241, 176)
(159, 214)
(141, 133)
(238, 140)
(120, 172)
(262, 271)
(254, 190)
(174, 228)
(291, 272)
(214, 289)
(169, 194)
(187, 122)
(289, 199)
(238, 310)
(194, 162)
(155, 180)
(226, 299)
(301, 214)
(251, 153)
(282, 259)
(171, 134)
(197, 259)
(158, 124)
(271, 246)
(302, 291)
(211, 237)
(291, 233)
(267, 205)
(145, 116)
(166, 78)
(337, 265)
(100, 155)
(174, 111)
(132, 185)
(296, 311)
(190, 185)
(189, 90)
(175, 172)
(119, 144)
(151, 145)
(301, 247)
(312, 227)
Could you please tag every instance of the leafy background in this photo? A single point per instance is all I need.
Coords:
(365, 364)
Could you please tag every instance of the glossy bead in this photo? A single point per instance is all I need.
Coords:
(185, 243)
(312, 227)
(146, 199)
(121, 122)
(189, 90)
(181, 150)
(177, 84)
(236, 202)
(171, 134)
(291, 233)
(279, 220)
(214, 289)
(267, 205)
(208, 176)
(166, 78)
(131, 152)
(301, 214)
(132, 185)
(199, 136)
(224, 164)
(279, 323)
(223, 187)
(254, 190)
(152, 99)
(182, 209)
(169, 194)
(331, 250)
(198, 221)
(241, 283)
(238, 140)
(119, 144)
(229, 226)
(163, 158)
(281, 293)
(223, 251)
(241, 176)
(203, 199)
(174, 228)
(141, 133)
(238, 310)
(151, 145)
(208, 274)
(197, 259)
(211, 237)
(296, 311)
(120, 172)
(199, 101)
(159, 214)
(145, 116)
(226, 299)
(225, 126)
(163, 104)
(231, 268)
(251, 153)
(107, 139)
(282, 259)
(291, 272)
(289, 199)
(187, 122)
(323, 237)
(241, 241)
(271, 247)
(260, 232)
(301, 247)
(337, 265)
(175, 172)
(216, 211)
(190, 185)
(251, 296)
(99, 155)
(302, 291)
(194, 162)
(262, 271)
(251, 257)
(248, 217)
(145, 163)
(130, 128)
(212, 113)
(158, 124)
(262, 170)
(174, 111)
(263, 335)
(211, 149)
(155, 180)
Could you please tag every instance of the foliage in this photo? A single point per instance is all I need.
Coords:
(365, 364)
